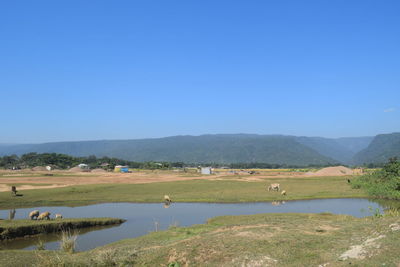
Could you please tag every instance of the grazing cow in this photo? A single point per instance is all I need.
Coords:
(167, 199)
(283, 193)
(34, 214)
(58, 216)
(274, 187)
(14, 190)
(44, 215)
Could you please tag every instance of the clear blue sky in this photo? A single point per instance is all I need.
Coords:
(86, 70)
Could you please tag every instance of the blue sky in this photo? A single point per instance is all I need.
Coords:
(89, 70)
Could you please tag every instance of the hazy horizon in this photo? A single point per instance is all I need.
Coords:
(106, 139)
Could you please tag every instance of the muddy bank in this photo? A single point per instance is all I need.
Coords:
(11, 229)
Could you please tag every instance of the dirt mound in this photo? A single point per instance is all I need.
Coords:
(334, 171)
(39, 168)
(98, 170)
(75, 169)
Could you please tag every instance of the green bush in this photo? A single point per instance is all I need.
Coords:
(384, 183)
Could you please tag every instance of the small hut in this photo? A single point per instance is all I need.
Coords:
(206, 170)
(120, 168)
(83, 166)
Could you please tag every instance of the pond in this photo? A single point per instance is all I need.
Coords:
(143, 218)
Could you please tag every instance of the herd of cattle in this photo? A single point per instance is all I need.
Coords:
(36, 215)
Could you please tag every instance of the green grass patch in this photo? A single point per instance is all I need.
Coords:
(249, 240)
(223, 191)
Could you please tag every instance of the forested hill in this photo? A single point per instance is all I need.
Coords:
(191, 149)
(219, 148)
(382, 147)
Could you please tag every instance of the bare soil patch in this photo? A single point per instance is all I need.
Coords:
(75, 176)
(98, 170)
(99, 176)
(361, 251)
(39, 168)
(5, 188)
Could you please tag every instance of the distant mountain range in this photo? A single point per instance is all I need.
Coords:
(230, 148)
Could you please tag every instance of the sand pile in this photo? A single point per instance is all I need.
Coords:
(98, 170)
(75, 169)
(334, 171)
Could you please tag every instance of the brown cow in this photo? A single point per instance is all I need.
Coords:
(34, 214)
(14, 190)
(44, 215)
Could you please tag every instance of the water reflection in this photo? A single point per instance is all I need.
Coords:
(389, 204)
(51, 240)
(277, 203)
(11, 214)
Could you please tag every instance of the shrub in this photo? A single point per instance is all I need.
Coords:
(384, 183)
(68, 241)
(40, 245)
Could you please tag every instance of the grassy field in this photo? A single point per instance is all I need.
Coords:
(255, 240)
(10, 229)
(223, 190)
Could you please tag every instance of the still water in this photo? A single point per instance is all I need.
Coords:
(143, 218)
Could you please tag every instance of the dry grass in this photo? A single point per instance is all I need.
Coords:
(68, 240)
(253, 240)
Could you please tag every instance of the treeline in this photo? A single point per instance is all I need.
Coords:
(373, 165)
(260, 165)
(382, 183)
(62, 161)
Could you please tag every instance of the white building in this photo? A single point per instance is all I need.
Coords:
(206, 170)
(83, 166)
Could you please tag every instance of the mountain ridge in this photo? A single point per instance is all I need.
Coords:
(218, 148)
(382, 147)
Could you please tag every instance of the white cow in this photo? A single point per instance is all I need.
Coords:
(274, 187)
(167, 199)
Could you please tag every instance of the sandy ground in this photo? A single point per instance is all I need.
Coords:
(40, 179)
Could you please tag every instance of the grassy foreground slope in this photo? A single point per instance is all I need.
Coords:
(223, 190)
(255, 240)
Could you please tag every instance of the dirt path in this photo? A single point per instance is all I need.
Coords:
(5, 188)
